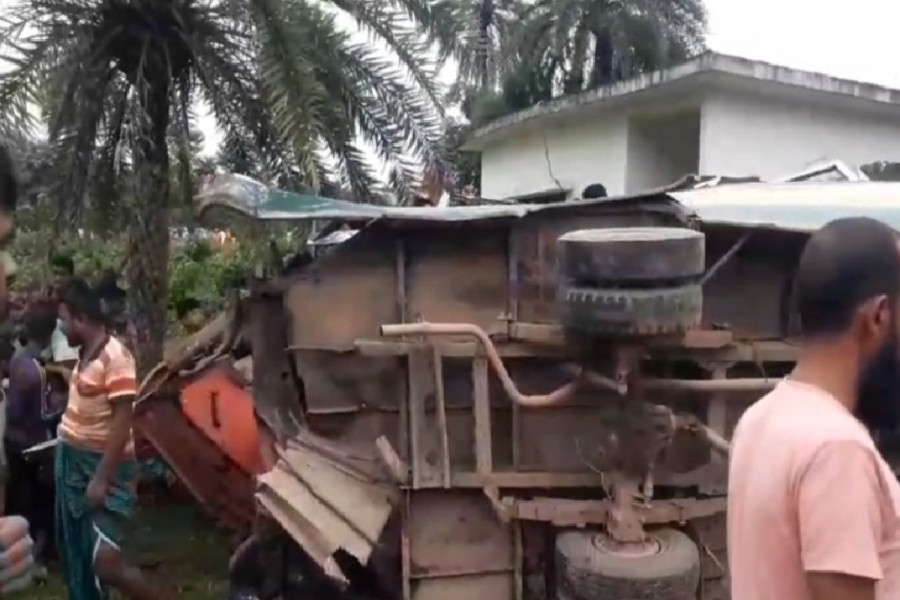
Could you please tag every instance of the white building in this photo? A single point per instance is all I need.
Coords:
(714, 115)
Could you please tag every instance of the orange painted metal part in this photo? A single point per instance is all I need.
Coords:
(221, 486)
(204, 428)
(223, 410)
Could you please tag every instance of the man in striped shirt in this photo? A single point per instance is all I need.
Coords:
(95, 466)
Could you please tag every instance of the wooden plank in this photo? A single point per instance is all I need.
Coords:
(717, 411)
(484, 463)
(750, 351)
(405, 556)
(564, 512)
(516, 433)
(518, 562)
(383, 348)
(717, 420)
(402, 313)
(553, 335)
(441, 407)
(762, 351)
(400, 267)
(527, 480)
(421, 386)
(545, 479)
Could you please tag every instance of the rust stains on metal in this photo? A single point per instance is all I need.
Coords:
(555, 397)
(564, 512)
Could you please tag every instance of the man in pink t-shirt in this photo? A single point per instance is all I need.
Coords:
(813, 509)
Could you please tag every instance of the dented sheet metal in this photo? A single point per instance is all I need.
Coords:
(328, 499)
(793, 206)
(243, 196)
(248, 197)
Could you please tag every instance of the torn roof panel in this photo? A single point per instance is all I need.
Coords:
(245, 197)
(797, 206)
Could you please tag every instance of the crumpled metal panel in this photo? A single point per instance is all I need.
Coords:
(794, 206)
(241, 195)
(218, 483)
(328, 499)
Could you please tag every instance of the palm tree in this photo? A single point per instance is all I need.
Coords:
(516, 53)
(290, 88)
(482, 42)
(590, 43)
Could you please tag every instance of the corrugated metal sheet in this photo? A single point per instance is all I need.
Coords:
(793, 206)
(799, 206)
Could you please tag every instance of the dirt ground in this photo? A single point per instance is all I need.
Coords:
(174, 542)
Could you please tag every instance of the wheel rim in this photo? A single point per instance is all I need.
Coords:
(649, 547)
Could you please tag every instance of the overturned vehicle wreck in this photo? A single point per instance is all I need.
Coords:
(523, 402)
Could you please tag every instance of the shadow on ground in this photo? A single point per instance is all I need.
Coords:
(172, 542)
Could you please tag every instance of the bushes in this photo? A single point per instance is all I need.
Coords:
(200, 275)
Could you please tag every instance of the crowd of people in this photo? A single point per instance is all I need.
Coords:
(69, 383)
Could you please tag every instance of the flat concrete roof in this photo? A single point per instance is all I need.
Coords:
(693, 71)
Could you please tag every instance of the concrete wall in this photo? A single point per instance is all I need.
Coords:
(625, 152)
(769, 136)
(580, 151)
(661, 148)
(739, 132)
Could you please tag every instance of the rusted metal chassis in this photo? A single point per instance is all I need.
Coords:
(624, 522)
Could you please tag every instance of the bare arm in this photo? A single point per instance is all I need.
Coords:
(841, 500)
(119, 434)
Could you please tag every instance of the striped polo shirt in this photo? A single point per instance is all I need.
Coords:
(94, 387)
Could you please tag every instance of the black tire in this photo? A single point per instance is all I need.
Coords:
(587, 570)
(587, 310)
(639, 256)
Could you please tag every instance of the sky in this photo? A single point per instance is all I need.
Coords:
(857, 40)
(854, 40)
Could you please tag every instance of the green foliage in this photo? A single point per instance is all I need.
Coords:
(485, 106)
(517, 53)
(286, 81)
(200, 275)
(589, 43)
(467, 165)
(203, 277)
(188, 551)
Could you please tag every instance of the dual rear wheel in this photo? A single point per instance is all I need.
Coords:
(633, 281)
(629, 282)
(589, 566)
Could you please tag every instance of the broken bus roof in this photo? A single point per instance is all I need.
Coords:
(796, 206)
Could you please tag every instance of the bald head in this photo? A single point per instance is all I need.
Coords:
(844, 264)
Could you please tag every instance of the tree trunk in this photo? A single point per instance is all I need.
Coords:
(602, 71)
(148, 234)
(485, 18)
